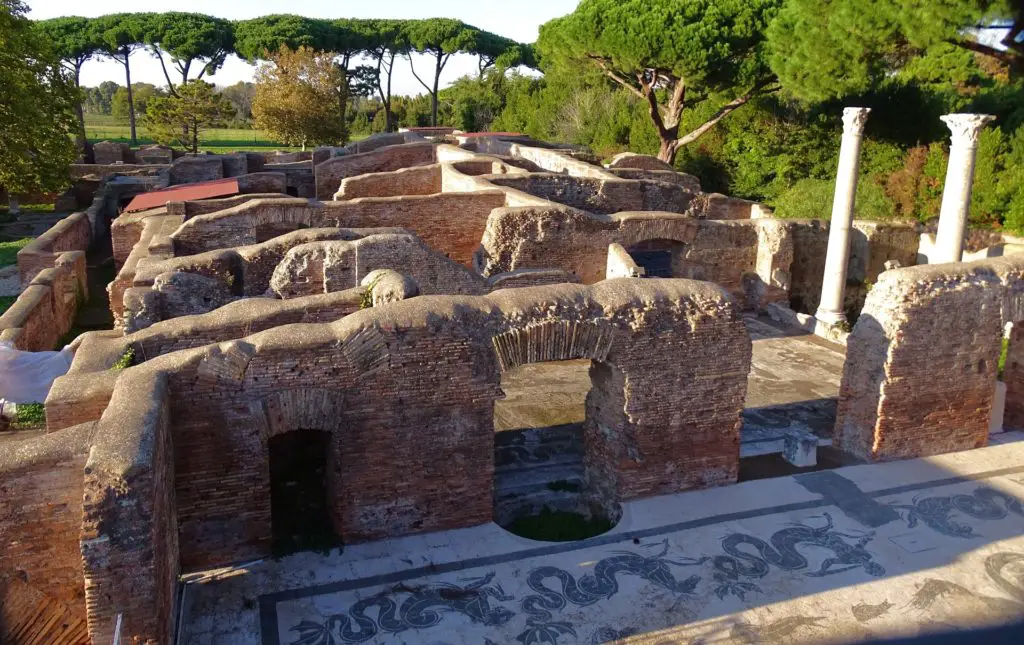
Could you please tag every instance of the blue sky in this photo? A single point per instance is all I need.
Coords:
(517, 19)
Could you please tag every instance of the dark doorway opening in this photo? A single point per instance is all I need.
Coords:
(659, 258)
(299, 512)
(292, 191)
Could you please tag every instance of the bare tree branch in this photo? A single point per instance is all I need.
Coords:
(603, 64)
(724, 111)
(159, 57)
(413, 68)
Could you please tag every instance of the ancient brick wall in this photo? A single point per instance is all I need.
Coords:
(372, 379)
(548, 160)
(688, 182)
(40, 520)
(187, 170)
(921, 363)
(328, 175)
(621, 265)
(46, 309)
(600, 195)
(73, 233)
(530, 278)
(235, 165)
(418, 180)
(577, 242)
(79, 397)
(872, 244)
(452, 222)
(188, 210)
(111, 152)
(245, 270)
(263, 182)
(97, 171)
(129, 543)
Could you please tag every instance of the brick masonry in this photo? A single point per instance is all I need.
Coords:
(906, 394)
(41, 488)
(372, 380)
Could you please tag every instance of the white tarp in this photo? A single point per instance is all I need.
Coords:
(26, 377)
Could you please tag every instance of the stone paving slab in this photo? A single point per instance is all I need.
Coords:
(836, 556)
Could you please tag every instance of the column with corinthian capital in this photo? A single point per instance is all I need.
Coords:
(956, 195)
(833, 284)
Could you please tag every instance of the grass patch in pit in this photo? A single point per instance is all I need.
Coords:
(558, 526)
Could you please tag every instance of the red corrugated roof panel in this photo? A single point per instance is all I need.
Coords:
(184, 192)
(473, 135)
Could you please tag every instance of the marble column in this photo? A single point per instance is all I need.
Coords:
(833, 284)
(956, 195)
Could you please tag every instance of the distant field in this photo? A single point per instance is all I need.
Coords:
(107, 128)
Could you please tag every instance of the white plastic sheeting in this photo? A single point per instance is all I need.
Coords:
(26, 377)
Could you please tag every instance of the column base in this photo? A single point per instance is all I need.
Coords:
(830, 317)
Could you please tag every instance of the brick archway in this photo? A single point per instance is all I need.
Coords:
(553, 340)
(301, 409)
(309, 414)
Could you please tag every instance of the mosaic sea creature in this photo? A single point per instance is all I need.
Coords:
(593, 587)
(424, 607)
(782, 553)
(937, 512)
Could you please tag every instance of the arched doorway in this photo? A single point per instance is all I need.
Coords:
(542, 490)
(299, 505)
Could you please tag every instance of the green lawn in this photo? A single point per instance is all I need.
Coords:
(9, 250)
(107, 128)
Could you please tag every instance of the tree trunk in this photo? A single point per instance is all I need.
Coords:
(131, 98)
(433, 96)
(195, 137)
(81, 138)
(389, 118)
(668, 150)
(13, 204)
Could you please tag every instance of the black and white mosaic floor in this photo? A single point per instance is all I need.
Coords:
(836, 556)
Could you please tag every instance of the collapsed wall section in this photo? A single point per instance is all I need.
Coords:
(921, 363)
(451, 222)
